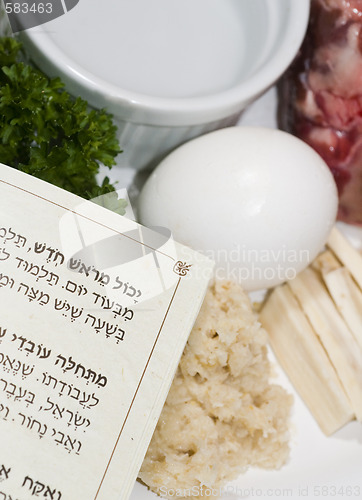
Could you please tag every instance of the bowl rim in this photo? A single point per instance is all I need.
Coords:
(152, 110)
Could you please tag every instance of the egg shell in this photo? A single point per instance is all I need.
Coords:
(259, 201)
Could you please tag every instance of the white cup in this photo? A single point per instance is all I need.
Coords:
(169, 70)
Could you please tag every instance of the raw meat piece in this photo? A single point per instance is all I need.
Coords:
(320, 96)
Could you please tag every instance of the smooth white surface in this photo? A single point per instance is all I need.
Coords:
(259, 202)
(151, 54)
(170, 63)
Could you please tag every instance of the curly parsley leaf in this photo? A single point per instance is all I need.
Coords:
(47, 133)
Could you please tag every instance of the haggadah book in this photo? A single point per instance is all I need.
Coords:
(95, 311)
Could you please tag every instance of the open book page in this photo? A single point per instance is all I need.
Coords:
(94, 313)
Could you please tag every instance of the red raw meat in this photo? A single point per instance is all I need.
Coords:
(320, 96)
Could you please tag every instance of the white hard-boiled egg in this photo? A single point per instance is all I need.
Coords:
(258, 201)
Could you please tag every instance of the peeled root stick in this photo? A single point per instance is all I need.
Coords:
(305, 361)
(334, 334)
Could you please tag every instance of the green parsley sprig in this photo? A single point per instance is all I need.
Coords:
(47, 133)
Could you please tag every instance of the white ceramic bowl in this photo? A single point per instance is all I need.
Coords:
(167, 70)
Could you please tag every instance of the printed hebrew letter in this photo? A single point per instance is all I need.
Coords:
(31, 398)
(110, 329)
(63, 385)
(96, 400)
(28, 479)
(33, 294)
(70, 441)
(58, 412)
(133, 293)
(117, 311)
(79, 420)
(44, 432)
(71, 287)
(4, 473)
(22, 394)
(90, 373)
(126, 311)
(4, 280)
(39, 247)
(97, 296)
(38, 488)
(94, 270)
(2, 407)
(6, 255)
(71, 415)
(31, 346)
(104, 279)
(25, 286)
(50, 402)
(11, 392)
(59, 304)
(75, 312)
(71, 364)
(20, 261)
(74, 264)
(26, 370)
(88, 317)
(80, 367)
(8, 238)
(53, 277)
(46, 353)
(37, 423)
(101, 380)
(22, 342)
(44, 272)
(119, 283)
(85, 269)
(122, 332)
(59, 357)
(17, 367)
(21, 240)
(34, 270)
(8, 362)
(50, 493)
(24, 418)
(60, 256)
(43, 299)
(51, 252)
(60, 440)
(100, 326)
(85, 399)
(77, 396)
(108, 304)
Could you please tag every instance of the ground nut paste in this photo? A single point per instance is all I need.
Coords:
(221, 414)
